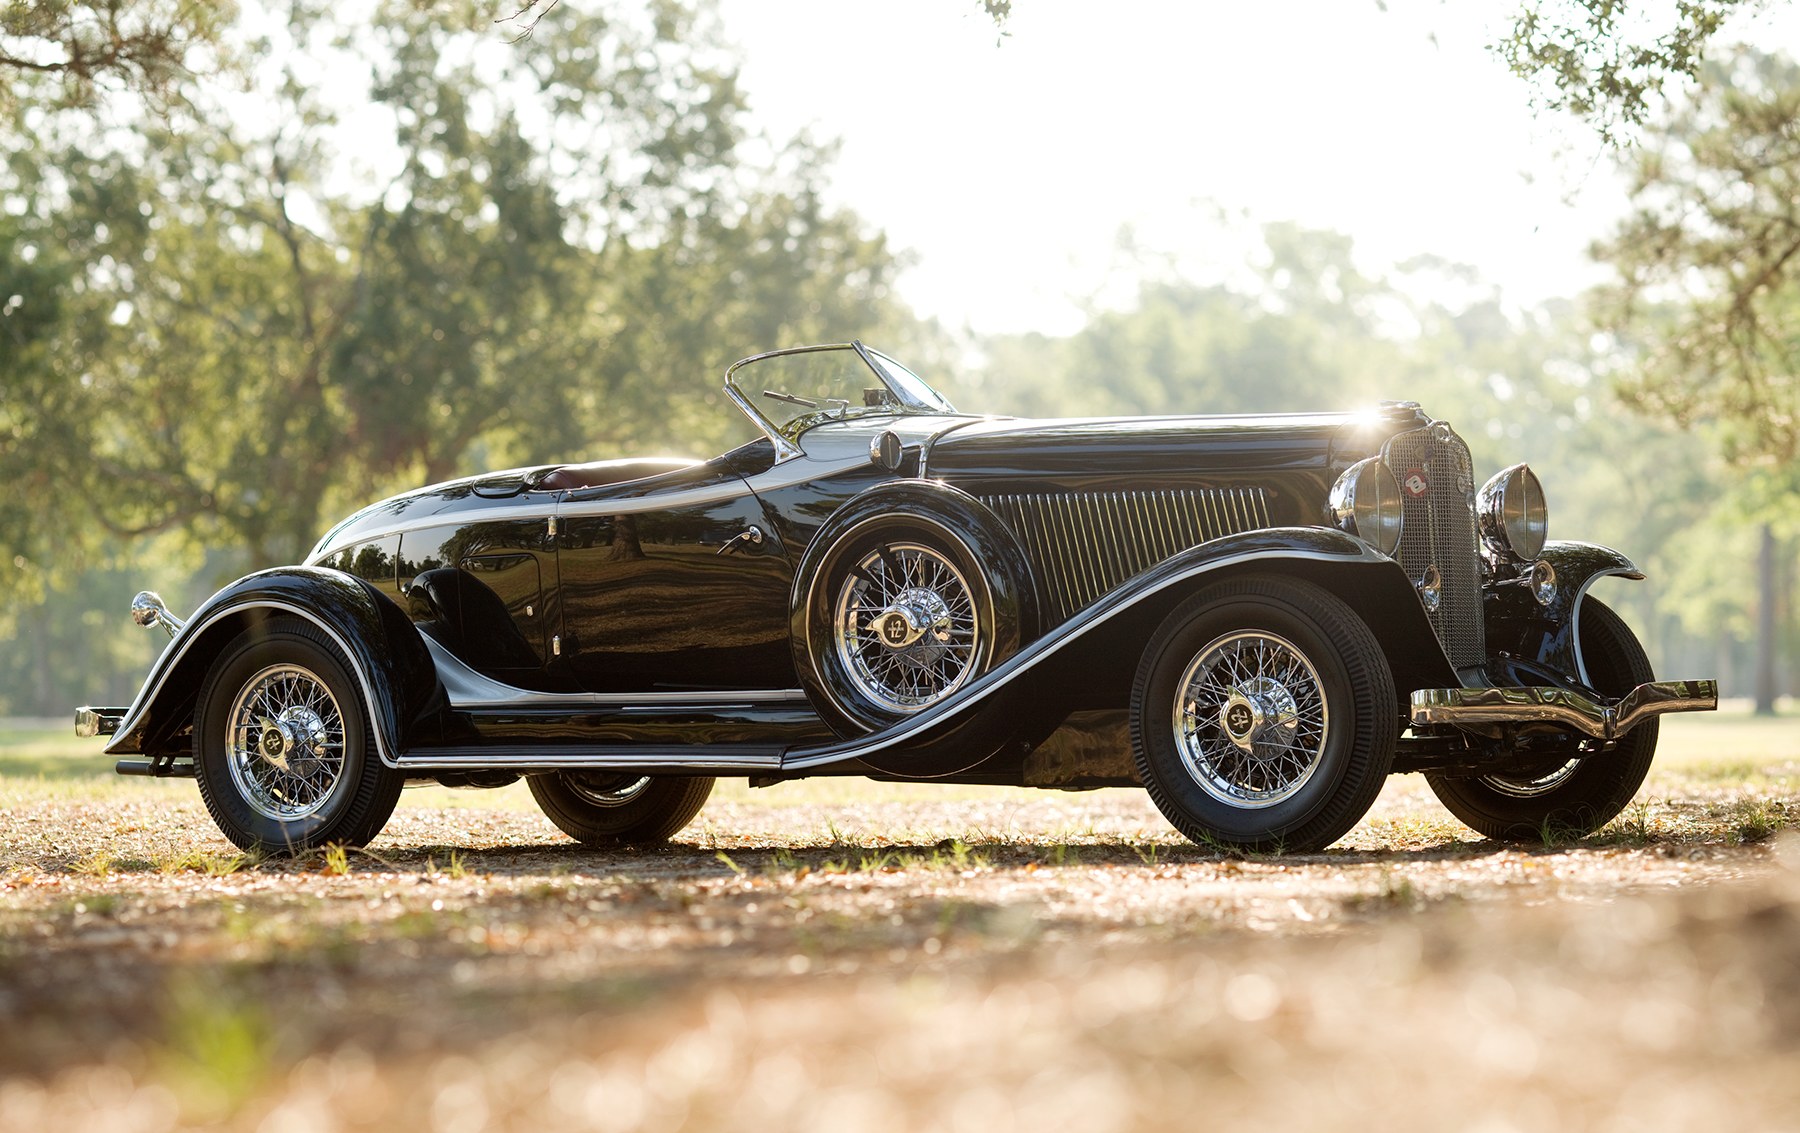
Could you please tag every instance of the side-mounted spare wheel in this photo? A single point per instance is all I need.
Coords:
(1263, 716)
(600, 808)
(1570, 786)
(283, 748)
(910, 592)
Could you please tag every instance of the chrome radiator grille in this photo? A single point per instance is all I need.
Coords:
(1437, 488)
(1083, 544)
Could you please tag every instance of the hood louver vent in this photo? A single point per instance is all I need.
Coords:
(1083, 544)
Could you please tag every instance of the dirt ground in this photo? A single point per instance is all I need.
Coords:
(855, 956)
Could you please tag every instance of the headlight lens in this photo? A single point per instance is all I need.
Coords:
(1365, 502)
(1513, 515)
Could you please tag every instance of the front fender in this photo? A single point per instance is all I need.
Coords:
(1023, 697)
(399, 682)
(1549, 635)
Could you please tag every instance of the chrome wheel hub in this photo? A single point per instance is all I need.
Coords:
(294, 741)
(914, 616)
(1260, 710)
(285, 747)
(1250, 719)
(904, 627)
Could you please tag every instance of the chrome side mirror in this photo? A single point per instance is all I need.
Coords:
(147, 609)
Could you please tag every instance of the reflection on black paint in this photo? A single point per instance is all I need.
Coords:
(649, 603)
(478, 590)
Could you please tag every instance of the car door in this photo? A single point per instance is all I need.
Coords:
(671, 585)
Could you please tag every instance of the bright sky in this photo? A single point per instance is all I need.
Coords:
(1010, 170)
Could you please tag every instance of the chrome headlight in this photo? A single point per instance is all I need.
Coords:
(1513, 515)
(1365, 502)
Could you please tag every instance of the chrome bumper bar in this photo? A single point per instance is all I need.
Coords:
(1603, 720)
(98, 721)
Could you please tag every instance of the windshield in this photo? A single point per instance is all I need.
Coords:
(789, 391)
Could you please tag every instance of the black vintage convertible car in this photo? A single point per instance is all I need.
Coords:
(1255, 618)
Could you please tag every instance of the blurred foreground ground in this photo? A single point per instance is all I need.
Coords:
(855, 956)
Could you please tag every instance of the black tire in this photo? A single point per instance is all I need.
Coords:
(857, 683)
(1299, 786)
(1561, 797)
(598, 808)
(329, 784)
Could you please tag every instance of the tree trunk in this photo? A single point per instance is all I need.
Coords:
(1768, 623)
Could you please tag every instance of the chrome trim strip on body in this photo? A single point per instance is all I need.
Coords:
(1050, 645)
(177, 649)
(553, 508)
(469, 690)
(1562, 707)
(592, 758)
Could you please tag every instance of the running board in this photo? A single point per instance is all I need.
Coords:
(672, 757)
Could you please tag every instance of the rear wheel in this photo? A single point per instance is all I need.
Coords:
(283, 750)
(600, 808)
(1264, 717)
(1575, 787)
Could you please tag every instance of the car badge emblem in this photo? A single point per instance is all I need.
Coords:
(1415, 483)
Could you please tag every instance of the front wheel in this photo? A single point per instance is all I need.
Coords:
(1264, 717)
(283, 749)
(1574, 786)
(598, 808)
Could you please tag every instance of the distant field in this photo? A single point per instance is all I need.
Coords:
(838, 954)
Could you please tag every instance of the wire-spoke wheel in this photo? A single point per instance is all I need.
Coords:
(905, 627)
(1250, 719)
(282, 744)
(1574, 785)
(899, 613)
(599, 808)
(286, 745)
(1264, 716)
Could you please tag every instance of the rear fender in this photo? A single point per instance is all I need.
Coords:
(386, 654)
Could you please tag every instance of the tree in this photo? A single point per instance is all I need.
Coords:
(210, 330)
(1709, 291)
(86, 47)
(1709, 261)
(1606, 61)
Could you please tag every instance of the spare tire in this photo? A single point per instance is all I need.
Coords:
(910, 592)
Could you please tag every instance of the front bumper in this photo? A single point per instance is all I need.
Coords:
(1601, 719)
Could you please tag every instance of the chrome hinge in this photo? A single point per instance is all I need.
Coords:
(553, 527)
(556, 645)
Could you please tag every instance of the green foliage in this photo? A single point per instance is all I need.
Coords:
(82, 49)
(1605, 61)
(1708, 295)
(220, 328)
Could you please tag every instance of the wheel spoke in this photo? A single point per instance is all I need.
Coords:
(1266, 677)
(301, 707)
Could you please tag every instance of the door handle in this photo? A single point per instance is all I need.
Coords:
(750, 535)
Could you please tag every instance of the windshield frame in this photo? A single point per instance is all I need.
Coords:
(910, 394)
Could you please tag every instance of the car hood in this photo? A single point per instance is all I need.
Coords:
(1021, 448)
